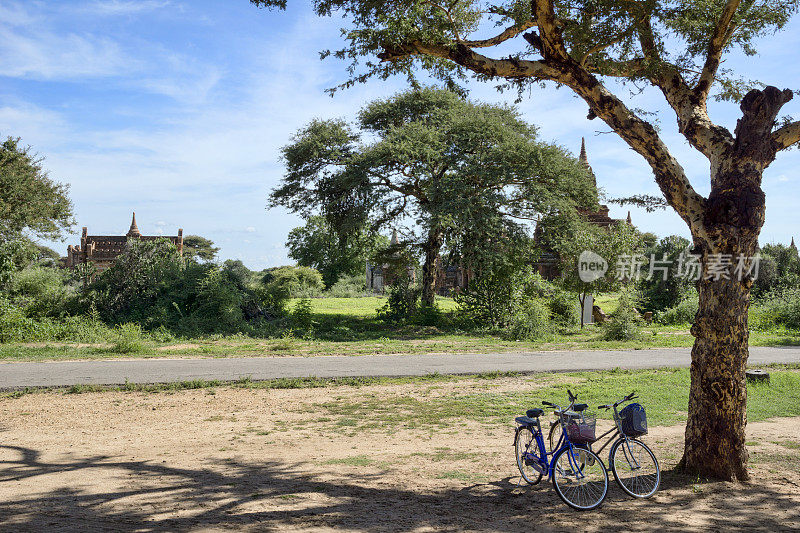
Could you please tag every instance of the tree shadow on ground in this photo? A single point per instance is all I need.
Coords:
(239, 495)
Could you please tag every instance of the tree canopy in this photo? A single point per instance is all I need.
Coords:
(432, 161)
(317, 245)
(29, 199)
(199, 248)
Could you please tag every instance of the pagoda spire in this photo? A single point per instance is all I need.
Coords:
(394, 240)
(630, 222)
(792, 244)
(584, 159)
(134, 231)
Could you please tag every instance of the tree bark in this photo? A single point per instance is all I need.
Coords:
(433, 246)
(715, 429)
(733, 217)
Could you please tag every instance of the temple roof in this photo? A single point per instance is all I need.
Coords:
(134, 230)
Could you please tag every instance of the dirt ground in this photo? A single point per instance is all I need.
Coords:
(258, 460)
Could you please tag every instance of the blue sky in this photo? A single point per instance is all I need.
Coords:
(178, 110)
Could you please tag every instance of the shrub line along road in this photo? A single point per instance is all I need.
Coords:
(117, 372)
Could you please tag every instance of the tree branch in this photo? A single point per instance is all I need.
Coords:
(722, 33)
(462, 55)
(787, 135)
(508, 33)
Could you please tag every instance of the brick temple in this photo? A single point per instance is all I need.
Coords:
(102, 250)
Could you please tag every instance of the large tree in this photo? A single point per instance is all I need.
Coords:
(432, 159)
(677, 47)
(30, 201)
(315, 244)
(199, 248)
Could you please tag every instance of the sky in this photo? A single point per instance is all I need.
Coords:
(178, 110)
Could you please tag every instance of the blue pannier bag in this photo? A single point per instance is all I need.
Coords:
(634, 420)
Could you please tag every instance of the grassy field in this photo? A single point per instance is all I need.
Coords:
(348, 326)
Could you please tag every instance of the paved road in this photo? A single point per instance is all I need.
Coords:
(52, 374)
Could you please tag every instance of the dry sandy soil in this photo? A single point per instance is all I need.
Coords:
(258, 460)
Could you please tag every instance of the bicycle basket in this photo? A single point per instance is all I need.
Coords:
(581, 430)
(633, 420)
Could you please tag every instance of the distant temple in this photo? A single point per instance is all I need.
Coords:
(381, 276)
(102, 250)
(549, 264)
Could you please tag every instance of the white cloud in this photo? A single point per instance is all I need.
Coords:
(250, 229)
(121, 7)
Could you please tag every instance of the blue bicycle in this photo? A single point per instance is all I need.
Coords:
(578, 475)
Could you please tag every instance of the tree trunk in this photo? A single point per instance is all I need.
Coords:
(433, 246)
(715, 429)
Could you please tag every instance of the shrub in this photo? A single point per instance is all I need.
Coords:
(295, 281)
(128, 339)
(625, 321)
(402, 301)
(531, 320)
(302, 317)
(42, 291)
(683, 313)
(777, 308)
(348, 287)
(505, 298)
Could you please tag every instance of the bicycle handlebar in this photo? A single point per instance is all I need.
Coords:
(572, 397)
(548, 404)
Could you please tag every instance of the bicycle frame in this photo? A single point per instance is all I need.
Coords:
(545, 457)
(618, 435)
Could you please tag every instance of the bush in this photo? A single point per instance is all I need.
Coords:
(295, 281)
(128, 339)
(683, 313)
(402, 301)
(42, 291)
(777, 308)
(625, 321)
(302, 317)
(503, 300)
(348, 287)
(531, 321)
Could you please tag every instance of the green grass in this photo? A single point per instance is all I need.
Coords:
(356, 460)
(348, 326)
(664, 393)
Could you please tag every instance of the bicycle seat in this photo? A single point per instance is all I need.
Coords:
(526, 421)
(580, 407)
(534, 413)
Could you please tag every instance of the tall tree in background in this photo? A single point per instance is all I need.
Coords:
(429, 157)
(199, 248)
(676, 47)
(317, 245)
(29, 200)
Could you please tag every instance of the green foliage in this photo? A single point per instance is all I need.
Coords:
(413, 36)
(199, 248)
(302, 316)
(43, 291)
(457, 167)
(779, 269)
(334, 255)
(625, 323)
(29, 199)
(402, 301)
(348, 287)
(657, 293)
(683, 313)
(518, 300)
(294, 282)
(127, 339)
(780, 308)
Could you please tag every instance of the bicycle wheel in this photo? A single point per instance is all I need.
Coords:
(580, 478)
(527, 452)
(635, 468)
